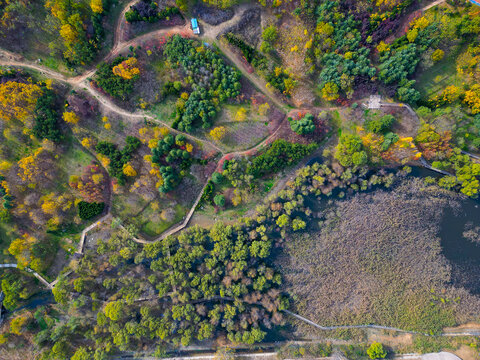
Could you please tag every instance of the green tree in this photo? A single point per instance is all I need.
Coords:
(219, 200)
(82, 353)
(376, 351)
(283, 220)
(217, 178)
(269, 36)
(304, 125)
(114, 310)
(350, 150)
(379, 124)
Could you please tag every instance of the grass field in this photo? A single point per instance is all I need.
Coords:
(440, 75)
(154, 225)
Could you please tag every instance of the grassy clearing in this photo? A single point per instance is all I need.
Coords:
(440, 75)
(154, 225)
(164, 110)
(126, 206)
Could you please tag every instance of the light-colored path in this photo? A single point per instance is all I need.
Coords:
(81, 243)
(34, 273)
(440, 356)
(429, 6)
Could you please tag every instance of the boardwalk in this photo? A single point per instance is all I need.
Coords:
(34, 273)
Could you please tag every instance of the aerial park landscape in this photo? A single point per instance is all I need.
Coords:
(222, 179)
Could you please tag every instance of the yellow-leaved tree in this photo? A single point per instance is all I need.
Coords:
(126, 69)
(241, 114)
(18, 100)
(472, 98)
(96, 6)
(29, 168)
(330, 91)
(218, 133)
(129, 170)
(21, 249)
(70, 117)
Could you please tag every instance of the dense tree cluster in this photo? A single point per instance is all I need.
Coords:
(88, 211)
(71, 21)
(118, 158)
(205, 283)
(147, 10)
(117, 84)
(304, 125)
(15, 288)
(46, 117)
(213, 82)
(173, 160)
(277, 156)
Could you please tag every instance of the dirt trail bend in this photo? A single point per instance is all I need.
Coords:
(117, 37)
(212, 31)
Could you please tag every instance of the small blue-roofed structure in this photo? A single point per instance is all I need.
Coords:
(195, 28)
(475, 2)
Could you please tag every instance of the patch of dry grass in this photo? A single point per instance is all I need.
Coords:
(378, 259)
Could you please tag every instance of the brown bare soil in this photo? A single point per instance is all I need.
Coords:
(138, 28)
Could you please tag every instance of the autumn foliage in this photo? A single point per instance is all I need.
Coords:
(18, 100)
(91, 184)
(126, 69)
(433, 144)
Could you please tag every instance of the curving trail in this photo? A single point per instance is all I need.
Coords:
(211, 33)
(37, 275)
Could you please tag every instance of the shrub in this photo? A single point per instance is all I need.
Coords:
(376, 351)
(379, 125)
(438, 55)
(217, 178)
(303, 126)
(219, 200)
(87, 210)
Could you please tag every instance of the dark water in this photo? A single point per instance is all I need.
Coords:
(462, 254)
(40, 299)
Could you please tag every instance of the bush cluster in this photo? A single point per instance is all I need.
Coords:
(213, 82)
(147, 10)
(87, 210)
(112, 84)
(279, 155)
(118, 158)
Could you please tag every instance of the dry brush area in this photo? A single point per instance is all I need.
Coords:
(377, 258)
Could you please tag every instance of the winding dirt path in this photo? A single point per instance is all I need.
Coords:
(81, 82)
(429, 6)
